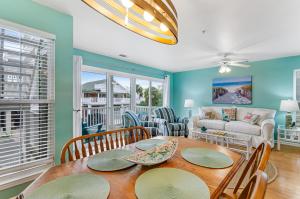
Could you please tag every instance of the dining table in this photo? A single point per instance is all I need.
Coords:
(122, 182)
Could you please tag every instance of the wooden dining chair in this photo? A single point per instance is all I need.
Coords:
(255, 188)
(87, 145)
(258, 161)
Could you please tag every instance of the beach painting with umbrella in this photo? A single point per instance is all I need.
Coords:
(233, 90)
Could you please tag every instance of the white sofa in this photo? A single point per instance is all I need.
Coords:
(263, 130)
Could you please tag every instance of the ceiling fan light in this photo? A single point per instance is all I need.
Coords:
(222, 69)
(148, 17)
(227, 69)
(163, 27)
(127, 3)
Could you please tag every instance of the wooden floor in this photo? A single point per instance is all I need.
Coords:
(287, 184)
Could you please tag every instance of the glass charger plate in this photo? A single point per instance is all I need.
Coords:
(173, 183)
(149, 144)
(206, 158)
(82, 186)
(110, 160)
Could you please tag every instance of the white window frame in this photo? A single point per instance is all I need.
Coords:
(297, 114)
(295, 84)
(32, 170)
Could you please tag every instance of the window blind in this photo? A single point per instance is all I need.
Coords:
(26, 104)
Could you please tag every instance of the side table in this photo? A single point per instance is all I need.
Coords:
(288, 136)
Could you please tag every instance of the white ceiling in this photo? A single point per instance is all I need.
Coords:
(252, 29)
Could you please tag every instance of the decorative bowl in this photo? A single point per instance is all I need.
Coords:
(155, 155)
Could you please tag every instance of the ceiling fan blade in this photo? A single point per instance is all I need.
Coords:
(239, 61)
(239, 65)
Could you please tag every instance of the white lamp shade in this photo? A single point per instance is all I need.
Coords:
(188, 103)
(289, 106)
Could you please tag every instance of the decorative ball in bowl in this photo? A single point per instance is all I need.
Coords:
(155, 155)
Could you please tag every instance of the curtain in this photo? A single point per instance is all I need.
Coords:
(77, 63)
(166, 99)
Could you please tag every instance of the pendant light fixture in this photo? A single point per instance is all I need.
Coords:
(153, 19)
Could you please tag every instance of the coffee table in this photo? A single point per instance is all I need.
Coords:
(233, 141)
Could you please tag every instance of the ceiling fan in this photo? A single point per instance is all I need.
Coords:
(226, 62)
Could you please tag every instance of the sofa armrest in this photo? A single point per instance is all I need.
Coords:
(267, 130)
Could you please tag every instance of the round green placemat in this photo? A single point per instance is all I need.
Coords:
(82, 186)
(206, 158)
(166, 183)
(110, 160)
(149, 144)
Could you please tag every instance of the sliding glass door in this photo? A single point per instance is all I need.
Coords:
(142, 92)
(156, 94)
(149, 96)
(103, 96)
(93, 101)
(121, 98)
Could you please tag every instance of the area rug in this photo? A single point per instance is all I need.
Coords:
(271, 171)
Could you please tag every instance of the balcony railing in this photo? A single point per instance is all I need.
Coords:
(98, 115)
(102, 101)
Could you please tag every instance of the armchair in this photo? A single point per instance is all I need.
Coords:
(173, 126)
(130, 119)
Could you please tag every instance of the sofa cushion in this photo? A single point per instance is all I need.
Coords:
(263, 113)
(229, 114)
(216, 110)
(212, 124)
(243, 127)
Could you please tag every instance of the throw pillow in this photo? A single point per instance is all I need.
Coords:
(210, 115)
(251, 118)
(229, 114)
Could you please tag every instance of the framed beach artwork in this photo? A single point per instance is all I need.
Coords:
(232, 90)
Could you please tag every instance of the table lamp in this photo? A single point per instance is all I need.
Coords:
(189, 104)
(289, 106)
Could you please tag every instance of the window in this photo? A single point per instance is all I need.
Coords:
(147, 100)
(142, 96)
(156, 94)
(26, 104)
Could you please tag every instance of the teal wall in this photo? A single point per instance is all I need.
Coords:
(101, 61)
(272, 81)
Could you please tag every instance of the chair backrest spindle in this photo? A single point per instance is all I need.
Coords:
(94, 143)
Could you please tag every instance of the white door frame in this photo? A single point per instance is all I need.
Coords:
(77, 111)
